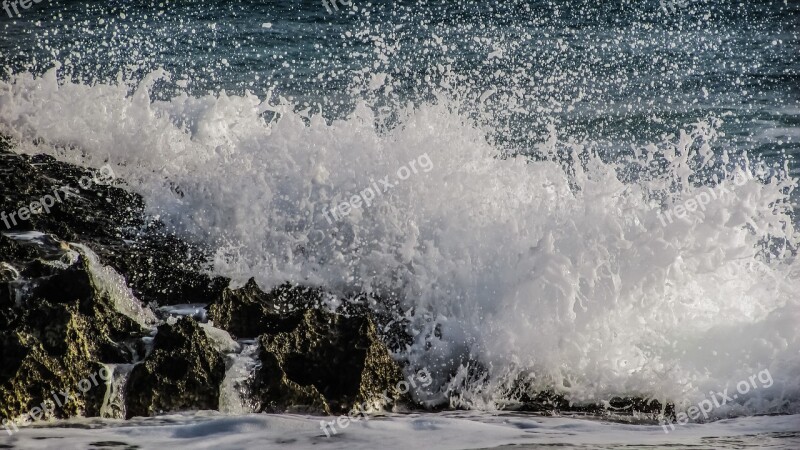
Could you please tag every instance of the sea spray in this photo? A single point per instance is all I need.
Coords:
(560, 267)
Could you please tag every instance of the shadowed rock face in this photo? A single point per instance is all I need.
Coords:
(158, 266)
(56, 327)
(248, 312)
(327, 363)
(183, 372)
(311, 360)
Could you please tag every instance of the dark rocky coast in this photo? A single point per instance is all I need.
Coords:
(63, 318)
(95, 286)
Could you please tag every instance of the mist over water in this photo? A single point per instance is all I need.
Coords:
(560, 134)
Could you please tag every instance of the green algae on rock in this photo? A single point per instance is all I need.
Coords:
(312, 360)
(57, 329)
(327, 363)
(183, 372)
(248, 312)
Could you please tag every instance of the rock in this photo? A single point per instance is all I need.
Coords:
(548, 401)
(158, 266)
(183, 372)
(13, 253)
(162, 268)
(76, 213)
(249, 312)
(311, 360)
(56, 325)
(65, 327)
(327, 363)
(56, 329)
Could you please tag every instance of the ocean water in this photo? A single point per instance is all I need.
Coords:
(536, 153)
(450, 430)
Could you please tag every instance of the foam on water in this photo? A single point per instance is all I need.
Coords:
(558, 268)
(449, 430)
(235, 393)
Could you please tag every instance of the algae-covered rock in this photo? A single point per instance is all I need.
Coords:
(312, 360)
(56, 324)
(58, 328)
(183, 372)
(91, 207)
(249, 312)
(327, 363)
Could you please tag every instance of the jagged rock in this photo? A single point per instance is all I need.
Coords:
(183, 372)
(63, 327)
(31, 375)
(327, 363)
(76, 213)
(249, 312)
(56, 328)
(311, 360)
(158, 266)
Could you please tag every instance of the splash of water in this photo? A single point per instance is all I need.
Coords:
(558, 268)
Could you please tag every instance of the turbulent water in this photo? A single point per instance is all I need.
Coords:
(525, 161)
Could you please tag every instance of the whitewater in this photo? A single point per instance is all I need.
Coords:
(557, 269)
(525, 257)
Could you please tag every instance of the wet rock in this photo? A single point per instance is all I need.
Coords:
(56, 329)
(76, 213)
(531, 399)
(162, 268)
(31, 375)
(312, 360)
(183, 372)
(328, 363)
(13, 253)
(56, 326)
(249, 312)
(158, 266)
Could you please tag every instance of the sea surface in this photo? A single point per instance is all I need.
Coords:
(538, 155)
(448, 430)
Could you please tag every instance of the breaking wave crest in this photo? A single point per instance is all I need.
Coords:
(666, 271)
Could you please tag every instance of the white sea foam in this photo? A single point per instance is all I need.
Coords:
(111, 283)
(454, 430)
(559, 269)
